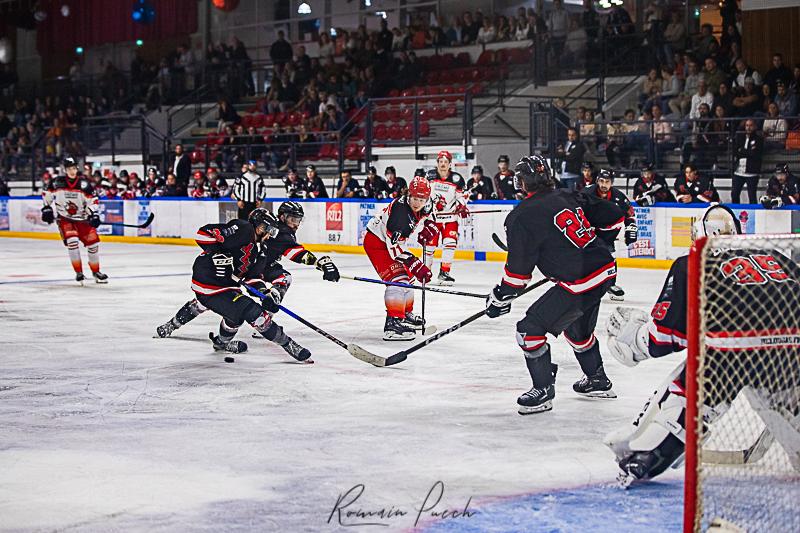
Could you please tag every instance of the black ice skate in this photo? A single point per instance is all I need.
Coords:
(232, 346)
(165, 330)
(414, 321)
(445, 278)
(99, 277)
(595, 386)
(297, 351)
(395, 329)
(617, 294)
(79, 277)
(538, 400)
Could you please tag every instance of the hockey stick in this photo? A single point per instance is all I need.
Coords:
(140, 226)
(479, 212)
(499, 242)
(417, 287)
(423, 291)
(401, 356)
(303, 321)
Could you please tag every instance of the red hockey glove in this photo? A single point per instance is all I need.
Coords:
(415, 267)
(428, 233)
(440, 203)
(462, 210)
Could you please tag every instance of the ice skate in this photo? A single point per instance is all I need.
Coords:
(79, 277)
(595, 386)
(616, 293)
(414, 321)
(232, 346)
(395, 329)
(445, 278)
(166, 329)
(297, 351)
(536, 400)
(99, 277)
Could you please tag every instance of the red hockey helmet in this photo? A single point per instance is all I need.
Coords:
(198, 175)
(445, 154)
(419, 187)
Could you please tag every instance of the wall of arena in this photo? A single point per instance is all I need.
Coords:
(339, 225)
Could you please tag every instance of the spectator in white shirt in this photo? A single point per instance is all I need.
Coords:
(702, 96)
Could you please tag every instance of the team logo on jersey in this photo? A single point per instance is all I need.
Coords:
(246, 250)
(71, 208)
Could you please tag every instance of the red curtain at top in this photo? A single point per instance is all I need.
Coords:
(96, 22)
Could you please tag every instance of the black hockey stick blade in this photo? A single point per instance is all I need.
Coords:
(139, 226)
(499, 242)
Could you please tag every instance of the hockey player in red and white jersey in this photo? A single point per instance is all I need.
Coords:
(76, 215)
(385, 244)
(450, 204)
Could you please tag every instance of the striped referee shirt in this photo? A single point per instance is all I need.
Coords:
(249, 187)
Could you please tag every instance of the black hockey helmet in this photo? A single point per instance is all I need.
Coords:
(390, 169)
(503, 159)
(606, 174)
(291, 209)
(70, 162)
(372, 170)
(534, 172)
(781, 168)
(647, 167)
(420, 172)
(263, 217)
(587, 165)
(477, 169)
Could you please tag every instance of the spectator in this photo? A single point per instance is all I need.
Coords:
(775, 129)
(479, 186)
(226, 115)
(347, 186)
(674, 35)
(281, 51)
(683, 102)
(719, 131)
(314, 185)
(326, 46)
(571, 154)
(588, 177)
(171, 187)
(487, 33)
(713, 75)
(703, 96)
(576, 44)
(690, 187)
(762, 108)
(748, 150)
(749, 101)
(397, 185)
(706, 45)
(786, 101)
(778, 72)
(470, 29)
(504, 181)
(557, 26)
(590, 20)
(503, 29)
(663, 137)
(522, 30)
(374, 185)
(724, 98)
(744, 71)
(181, 166)
(729, 64)
(697, 146)
(584, 121)
(782, 189)
(794, 86)
(385, 36)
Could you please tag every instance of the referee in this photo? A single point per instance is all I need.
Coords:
(248, 190)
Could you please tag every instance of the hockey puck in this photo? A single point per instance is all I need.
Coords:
(229, 359)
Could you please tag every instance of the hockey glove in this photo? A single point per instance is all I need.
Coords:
(631, 233)
(499, 300)
(94, 220)
(415, 267)
(48, 217)
(462, 210)
(428, 233)
(329, 270)
(441, 203)
(644, 200)
(767, 201)
(271, 300)
(628, 339)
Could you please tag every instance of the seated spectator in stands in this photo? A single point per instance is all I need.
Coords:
(765, 99)
(469, 28)
(724, 98)
(690, 187)
(674, 35)
(783, 189)
(786, 101)
(775, 129)
(314, 185)
(348, 186)
(778, 72)
(719, 132)
(571, 154)
(703, 96)
(576, 44)
(697, 146)
(671, 87)
(374, 185)
(651, 188)
(706, 44)
(622, 138)
(748, 150)
(487, 33)
(333, 121)
(749, 101)
(522, 29)
(326, 46)
(584, 121)
(588, 177)
(794, 85)
(713, 75)
(683, 102)
(198, 188)
(663, 136)
(479, 187)
(505, 31)
(536, 25)
(226, 116)
(744, 71)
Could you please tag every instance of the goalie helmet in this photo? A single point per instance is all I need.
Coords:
(262, 217)
(291, 209)
(716, 220)
(534, 173)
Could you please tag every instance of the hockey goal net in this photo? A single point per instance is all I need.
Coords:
(743, 384)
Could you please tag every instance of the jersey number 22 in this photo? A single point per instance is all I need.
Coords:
(575, 226)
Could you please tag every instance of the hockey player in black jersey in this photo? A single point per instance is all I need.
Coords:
(751, 281)
(651, 188)
(604, 188)
(557, 231)
(782, 189)
(691, 187)
(233, 253)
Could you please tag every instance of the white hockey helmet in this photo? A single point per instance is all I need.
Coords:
(716, 220)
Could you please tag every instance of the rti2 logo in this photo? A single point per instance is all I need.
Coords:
(334, 216)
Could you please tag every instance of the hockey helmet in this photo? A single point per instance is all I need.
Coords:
(781, 168)
(198, 175)
(420, 172)
(390, 170)
(134, 175)
(372, 170)
(534, 173)
(264, 220)
(606, 174)
(503, 159)
(419, 187)
(291, 209)
(123, 173)
(647, 167)
(444, 153)
(477, 169)
(70, 162)
(716, 220)
(587, 165)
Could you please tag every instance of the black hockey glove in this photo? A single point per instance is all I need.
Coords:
(329, 270)
(271, 300)
(767, 201)
(94, 220)
(631, 233)
(48, 217)
(499, 300)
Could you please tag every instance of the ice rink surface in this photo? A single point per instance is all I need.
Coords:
(103, 427)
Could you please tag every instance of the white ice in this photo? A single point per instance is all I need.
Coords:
(103, 427)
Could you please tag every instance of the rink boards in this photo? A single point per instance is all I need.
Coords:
(340, 225)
